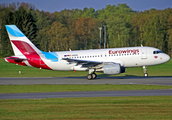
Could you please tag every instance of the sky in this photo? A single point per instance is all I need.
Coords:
(58, 5)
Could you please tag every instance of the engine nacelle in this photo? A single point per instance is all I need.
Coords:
(113, 69)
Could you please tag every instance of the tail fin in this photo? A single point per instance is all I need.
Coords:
(20, 43)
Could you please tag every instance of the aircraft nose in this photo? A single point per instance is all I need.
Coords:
(166, 58)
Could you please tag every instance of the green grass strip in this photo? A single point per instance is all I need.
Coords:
(120, 108)
(69, 88)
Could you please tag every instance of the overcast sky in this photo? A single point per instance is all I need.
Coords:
(58, 5)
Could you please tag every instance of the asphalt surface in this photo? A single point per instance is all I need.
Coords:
(83, 80)
(72, 80)
(87, 94)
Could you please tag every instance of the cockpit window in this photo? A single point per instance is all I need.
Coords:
(157, 52)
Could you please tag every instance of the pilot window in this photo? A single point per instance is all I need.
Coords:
(157, 52)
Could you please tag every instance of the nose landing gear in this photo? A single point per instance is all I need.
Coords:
(145, 73)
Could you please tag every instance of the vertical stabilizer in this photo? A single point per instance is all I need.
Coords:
(20, 43)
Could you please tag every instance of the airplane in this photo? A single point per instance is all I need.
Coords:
(108, 61)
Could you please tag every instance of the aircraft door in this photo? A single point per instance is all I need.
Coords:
(143, 53)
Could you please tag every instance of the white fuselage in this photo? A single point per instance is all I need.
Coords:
(126, 57)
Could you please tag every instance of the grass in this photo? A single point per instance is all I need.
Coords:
(120, 108)
(12, 70)
(69, 88)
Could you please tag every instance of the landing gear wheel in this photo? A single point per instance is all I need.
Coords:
(146, 75)
(94, 76)
(89, 76)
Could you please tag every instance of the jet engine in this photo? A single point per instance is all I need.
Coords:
(113, 69)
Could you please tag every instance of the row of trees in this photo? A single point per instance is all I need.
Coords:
(78, 29)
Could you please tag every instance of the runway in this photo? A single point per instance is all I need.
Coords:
(87, 94)
(82, 80)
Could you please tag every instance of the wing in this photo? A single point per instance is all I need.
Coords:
(84, 63)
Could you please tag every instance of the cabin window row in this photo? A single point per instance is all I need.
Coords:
(87, 56)
(95, 56)
(123, 54)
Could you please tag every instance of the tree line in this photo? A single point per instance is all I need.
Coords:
(78, 29)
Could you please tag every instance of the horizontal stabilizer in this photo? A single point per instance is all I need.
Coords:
(16, 59)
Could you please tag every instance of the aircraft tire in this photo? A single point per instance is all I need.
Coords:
(94, 76)
(89, 76)
(146, 75)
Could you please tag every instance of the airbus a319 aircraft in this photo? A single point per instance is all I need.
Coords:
(108, 61)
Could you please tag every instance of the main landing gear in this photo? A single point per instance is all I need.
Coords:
(144, 69)
(91, 75)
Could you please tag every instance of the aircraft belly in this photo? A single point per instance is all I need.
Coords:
(60, 65)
